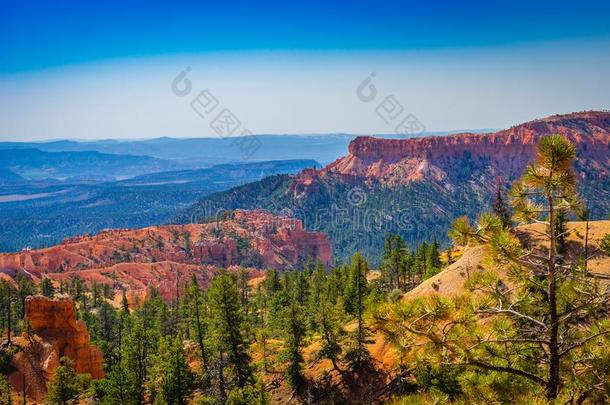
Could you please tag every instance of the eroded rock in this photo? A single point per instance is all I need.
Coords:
(55, 333)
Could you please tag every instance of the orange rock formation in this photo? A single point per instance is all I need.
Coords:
(57, 334)
(164, 257)
(505, 153)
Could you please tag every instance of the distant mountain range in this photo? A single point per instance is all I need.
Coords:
(417, 187)
(42, 213)
(82, 166)
(8, 177)
(201, 152)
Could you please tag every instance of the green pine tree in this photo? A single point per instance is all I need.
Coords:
(395, 265)
(64, 386)
(433, 260)
(197, 315)
(330, 319)
(294, 330)
(228, 325)
(136, 358)
(172, 376)
(46, 287)
(355, 298)
(500, 207)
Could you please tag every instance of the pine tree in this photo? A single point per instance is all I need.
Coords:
(551, 178)
(116, 387)
(173, 378)
(301, 287)
(25, 288)
(272, 282)
(294, 330)
(244, 288)
(420, 260)
(46, 287)
(124, 302)
(197, 316)
(228, 325)
(546, 333)
(561, 231)
(63, 388)
(355, 296)
(317, 281)
(500, 208)
(136, 358)
(450, 255)
(330, 321)
(395, 261)
(7, 316)
(433, 260)
(96, 294)
(248, 395)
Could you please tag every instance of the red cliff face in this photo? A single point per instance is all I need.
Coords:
(166, 256)
(59, 334)
(505, 152)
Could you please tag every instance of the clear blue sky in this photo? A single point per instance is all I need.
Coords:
(51, 47)
(38, 34)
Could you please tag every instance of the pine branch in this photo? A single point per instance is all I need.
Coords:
(536, 341)
(512, 312)
(587, 304)
(510, 370)
(582, 342)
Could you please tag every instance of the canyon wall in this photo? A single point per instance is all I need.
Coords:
(506, 152)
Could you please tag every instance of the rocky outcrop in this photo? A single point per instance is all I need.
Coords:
(54, 320)
(57, 333)
(168, 256)
(504, 152)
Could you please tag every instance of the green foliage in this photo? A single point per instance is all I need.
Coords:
(294, 330)
(228, 326)
(604, 245)
(433, 260)
(5, 391)
(6, 355)
(396, 264)
(330, 318)
(444, 379)
(128, 378)
(12, 303)
(172, 377)
(355, 298)
(500, 207)
(249, 395)
(65, 386)
(197, 313)
(46, 287)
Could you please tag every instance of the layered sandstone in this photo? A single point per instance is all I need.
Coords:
(505, 153)
(57, 333)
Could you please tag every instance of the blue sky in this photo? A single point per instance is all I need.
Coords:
(91, 69)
